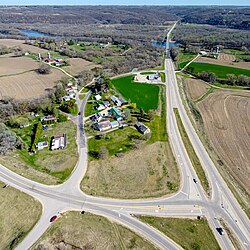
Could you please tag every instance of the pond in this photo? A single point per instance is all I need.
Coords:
(34, 33)
(162, 44)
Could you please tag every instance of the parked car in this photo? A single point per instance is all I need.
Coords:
(53, 218)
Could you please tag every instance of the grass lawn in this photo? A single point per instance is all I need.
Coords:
(183, 58)
(88, 231)
(163, 77)
(220, 71)
(90, 108)
(119, 141)
(147, 73)
(188, 233)
(58, 163)
(192, 155)
(19, 212)
(144, 95)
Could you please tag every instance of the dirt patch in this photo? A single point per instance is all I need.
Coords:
(195, 88)
(226, 116)
(28, 85)
(18, 213)
(11, 42)
(16, 65)
(146, 172)
(78, 65)
(225, 60)
(76, 231)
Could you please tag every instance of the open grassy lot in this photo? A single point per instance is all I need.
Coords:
(16, 65)
(76, 231)
(51, 166)
(18, 214)
(192, 155)
(220, 71)
(28, 85)
(188, 233)
(119, 141)
(144, 95)
(183, 58)
(78, 65)
(149, 171)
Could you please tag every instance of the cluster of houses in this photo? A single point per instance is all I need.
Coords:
(57, 142)
(55, 61)
(110, 116)
(71, 91)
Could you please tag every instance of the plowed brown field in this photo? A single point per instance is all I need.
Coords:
(226, 116)
(16, 65)
(225, 60)
(28, 85)
(195, 88)
(78, 65)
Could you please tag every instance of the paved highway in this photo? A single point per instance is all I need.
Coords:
(190, 201)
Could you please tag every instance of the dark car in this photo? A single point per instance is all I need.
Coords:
(53, 218)
(195, 180)
(220, 230)
(79, 113)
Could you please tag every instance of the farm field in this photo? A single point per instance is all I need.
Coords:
(188, 233)
(11, 42)
(183, 58)
(226, 119)
(29, 84)
(18, 214)
(195, 88)
(220, 71)
(78, 65)
(144, 95)
(225, 60)
(149, 171)
(88, 231)
(16, 65)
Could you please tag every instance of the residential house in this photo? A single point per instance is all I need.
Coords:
(98, 97)
(100, 107)
(58, 142)
(114, 124)
(42, 145)
(116, 113)
(116, 101)
(142, 128)
(49, 119)
(96, 117)
(103, 126)
(106, 104)
(66, 98)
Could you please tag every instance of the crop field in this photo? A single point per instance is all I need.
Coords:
(195, 88)
(11, 42)
(16, 65)
(144, 95)
(149, 171)
(188, 233)
(78, 65)
(88, 231)
(225, 60)
(227, 123)
(220, 71)
(28, 85)
(18, 214)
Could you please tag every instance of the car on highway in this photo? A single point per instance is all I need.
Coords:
(53, 218)
(220, 230)
(195, 180)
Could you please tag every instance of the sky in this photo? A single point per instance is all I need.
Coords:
(125, 2)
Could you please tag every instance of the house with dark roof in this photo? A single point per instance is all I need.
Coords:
(142, 128)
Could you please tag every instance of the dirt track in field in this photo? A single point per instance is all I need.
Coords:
(16, 65)
(78, 65)
(225, 60)
(195, 88)
(226, 116)
(28, 85)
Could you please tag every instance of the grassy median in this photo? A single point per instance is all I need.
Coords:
(191, 153)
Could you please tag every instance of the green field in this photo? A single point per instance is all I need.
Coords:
(119, 141)
(184, 58)
(220, 71)
(188, 233)
(144, 95)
